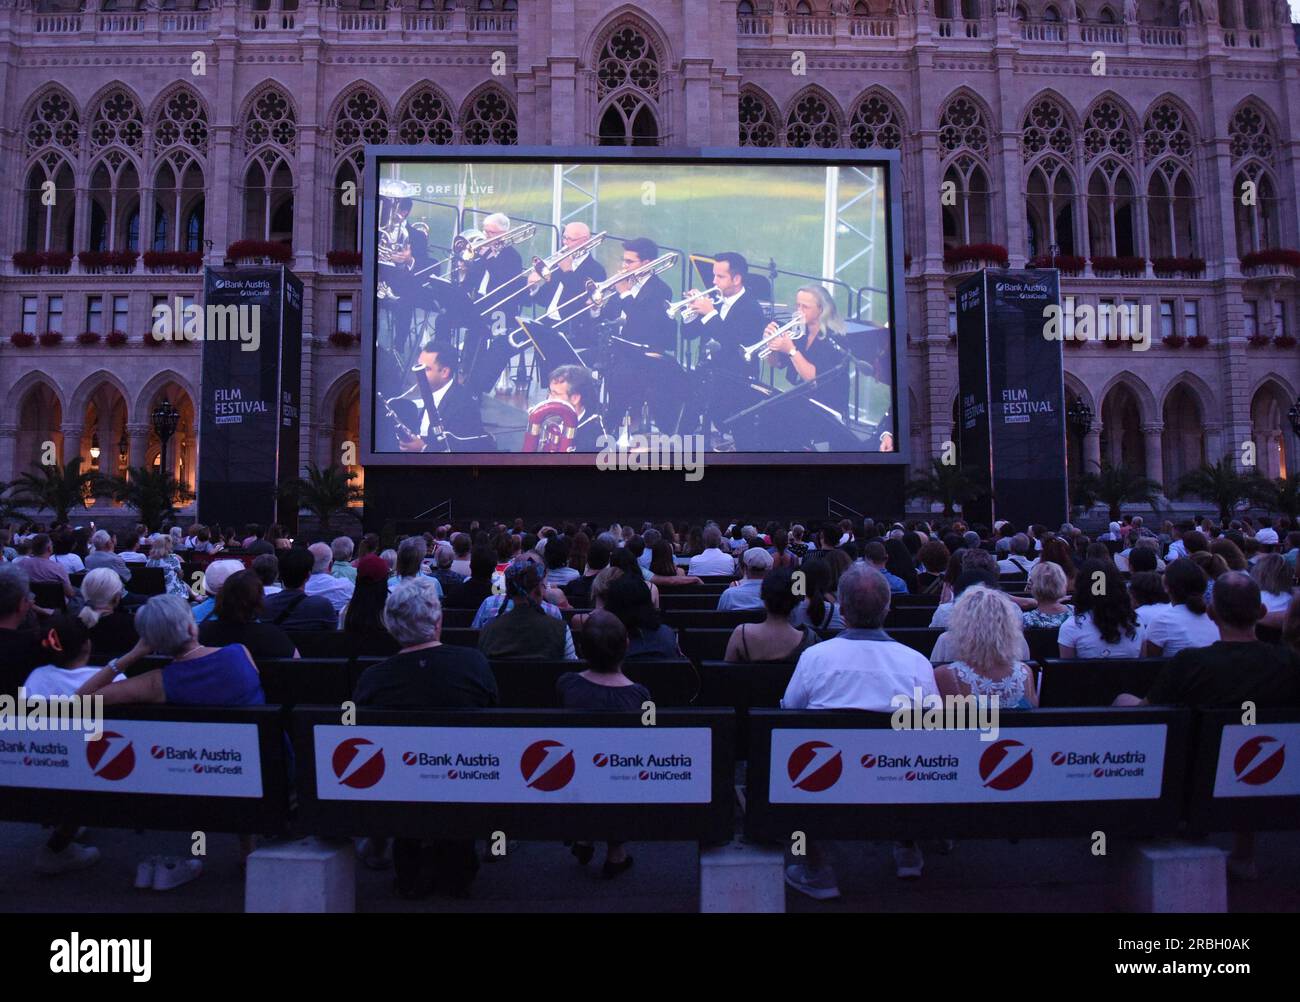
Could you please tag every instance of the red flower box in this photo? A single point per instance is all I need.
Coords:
(342, 339)
(21, 339)
(116, 339)
(1198, 341)
(1166, 267)
(108, 259)
(1174, 340)
(994, 253)
(1274, 255)
(243, 250)
(50, 338)
(1258, 340)
(1284, 341)
(154, 342)
(87, 337)
(1106, 264)
(343, 258)
(42, 259)
(173, 259)
(1067, 263)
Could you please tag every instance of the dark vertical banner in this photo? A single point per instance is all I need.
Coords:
(975, 450)
(1022, 391)
(249, 392)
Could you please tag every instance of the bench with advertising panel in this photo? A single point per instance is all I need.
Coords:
(835, 774)
(171, 768)
(1245, 777)
(533, 774)
(1094, 681)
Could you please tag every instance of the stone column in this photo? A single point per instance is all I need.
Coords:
(138, 436)
(1152, 434)
(1092, 450)
(72, 443)
(9, 452)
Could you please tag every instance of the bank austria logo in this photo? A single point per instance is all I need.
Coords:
(1256, 763)
(1002, 768)
(111, 756)
(547, 766)
(358, 763)
(814, 766)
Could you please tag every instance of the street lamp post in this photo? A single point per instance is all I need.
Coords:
(1293, 415)
(165, 418)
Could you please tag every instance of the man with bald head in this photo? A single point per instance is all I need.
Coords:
(567, 280)
(322, 581)
(860, 669)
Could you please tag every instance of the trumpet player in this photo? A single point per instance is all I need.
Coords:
(816, 351)
(566, 282)
(643, 301)
(737, 319)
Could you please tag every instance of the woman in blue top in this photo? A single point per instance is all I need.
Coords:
(161, 555)
(985, 631)
(196, 675)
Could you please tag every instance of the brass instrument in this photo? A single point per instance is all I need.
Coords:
(546, 267)
(597, 293)
(794, 330)
(681, 309)
(472, 244)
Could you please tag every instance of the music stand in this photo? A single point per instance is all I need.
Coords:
(795, 408)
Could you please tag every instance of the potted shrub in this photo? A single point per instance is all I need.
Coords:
(259, 251)
(88, 337)
(1067, 264)
(1174, 267)
(343, 258)
(975, 255)
(1108, 265)
(21, 339)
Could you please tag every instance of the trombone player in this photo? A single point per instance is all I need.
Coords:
(566, 281)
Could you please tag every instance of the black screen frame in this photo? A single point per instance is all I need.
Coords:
(376, 156)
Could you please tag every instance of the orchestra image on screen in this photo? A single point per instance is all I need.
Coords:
(525, 308)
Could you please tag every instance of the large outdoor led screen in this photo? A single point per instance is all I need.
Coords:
(545, 305)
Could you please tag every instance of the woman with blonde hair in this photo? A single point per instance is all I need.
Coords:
(599, 592)
(985, 632)
(815, 352)
(161, 555)
(112, 628)
(1047, 586)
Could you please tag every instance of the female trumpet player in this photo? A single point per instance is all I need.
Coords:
(815, 352)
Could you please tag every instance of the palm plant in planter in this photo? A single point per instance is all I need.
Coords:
(1115, 486)
(324, 492)
(1223, 485)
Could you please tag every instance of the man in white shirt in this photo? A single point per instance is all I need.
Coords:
(1019, 561)
(860, 669)
(714, 560)
(322, 582)
(745, 594)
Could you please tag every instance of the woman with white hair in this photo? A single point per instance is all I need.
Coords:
(195, 675)
(161, 555)
(1047, 585)
(214, 577)
(429, 675)
(986, 635)
(112, 630)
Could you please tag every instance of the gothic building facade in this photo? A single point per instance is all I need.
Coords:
(1150, 149)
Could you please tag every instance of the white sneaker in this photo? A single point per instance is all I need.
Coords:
(908, 860)
(71, 857)
(144, 873)
(171, 873)
(817, 883)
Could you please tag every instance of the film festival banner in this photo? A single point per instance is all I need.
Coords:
(515, 765)
(249, 394)
(139, 756)
(1011, 405)
(1027, 764)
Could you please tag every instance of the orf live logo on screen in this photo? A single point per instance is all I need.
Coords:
(514, 765)
(885, 766)
(1254, 761)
